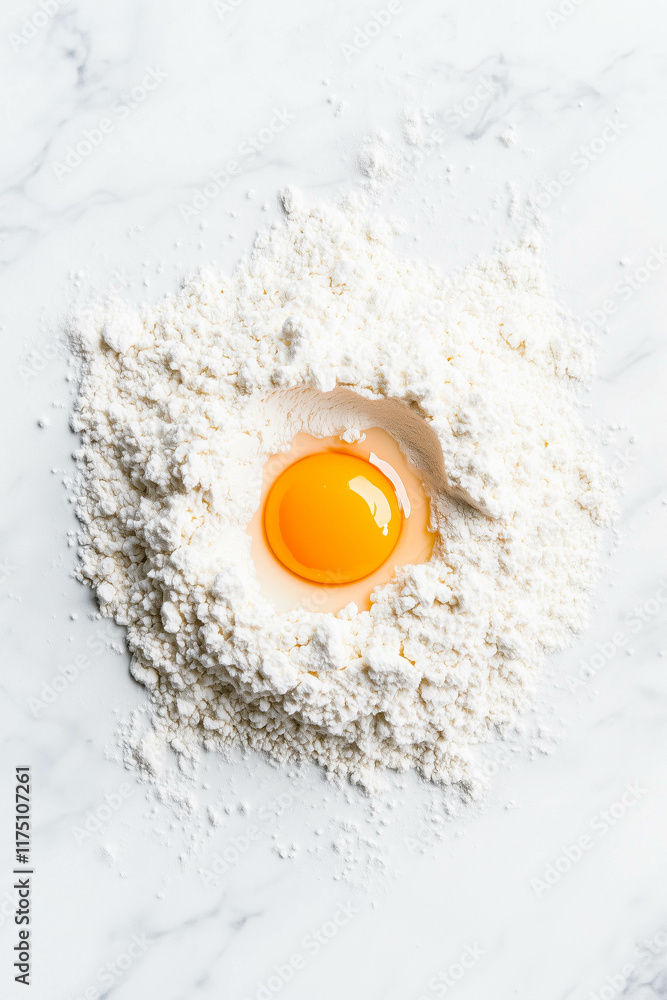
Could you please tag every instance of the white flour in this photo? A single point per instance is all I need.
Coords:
(181, 405)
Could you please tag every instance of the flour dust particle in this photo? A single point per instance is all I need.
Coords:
(322, 330)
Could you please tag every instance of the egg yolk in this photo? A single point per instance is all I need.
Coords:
(332, 518)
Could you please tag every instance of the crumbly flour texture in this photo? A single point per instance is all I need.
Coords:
(325, 330)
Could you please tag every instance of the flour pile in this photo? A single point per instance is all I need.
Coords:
(181, 405)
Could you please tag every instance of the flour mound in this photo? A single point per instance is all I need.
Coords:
(182, 403)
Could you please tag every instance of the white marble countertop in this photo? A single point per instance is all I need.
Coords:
(313, 904)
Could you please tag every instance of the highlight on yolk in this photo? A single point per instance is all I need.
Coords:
(332, 518)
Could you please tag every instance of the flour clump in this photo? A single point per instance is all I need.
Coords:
(475, 374)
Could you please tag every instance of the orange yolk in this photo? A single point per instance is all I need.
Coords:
(332, 518)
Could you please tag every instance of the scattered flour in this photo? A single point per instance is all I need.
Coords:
(508, 137)
(379, 161)
(414, 121)
(180, 406)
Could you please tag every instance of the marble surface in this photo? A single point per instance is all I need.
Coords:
(325, 894)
